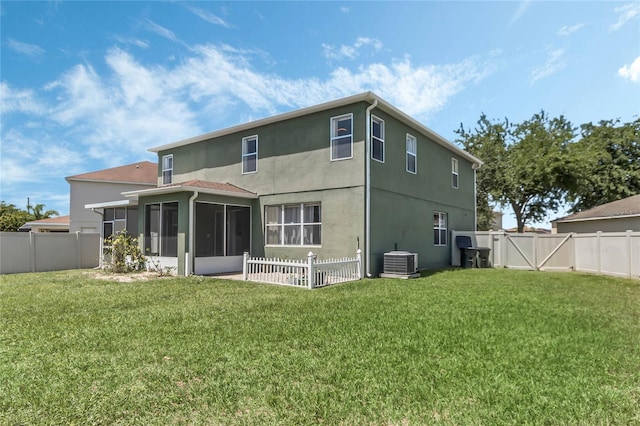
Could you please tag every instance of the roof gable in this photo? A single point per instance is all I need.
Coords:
(369, 97)
(143, 172)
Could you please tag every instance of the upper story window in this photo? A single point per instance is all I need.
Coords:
(411, 154)
(342, 137)
(454, 173)
(377, 139)
(250, 154)
(167, 169)
(439, 229)
(294, 224)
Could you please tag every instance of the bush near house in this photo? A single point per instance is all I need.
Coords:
(122, 254)
(453, 347)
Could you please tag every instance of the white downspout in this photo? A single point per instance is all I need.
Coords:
(190, 261)
(475, 167)
(367, 187)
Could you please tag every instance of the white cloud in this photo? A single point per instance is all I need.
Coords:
(23, 101)
(568, 30)
(350, 51)
(132, 41)
(117, 115)
(344, 9)
(25, 48)
(625, 13)
(554, 64)
(160, 30)
(35, 158)
(632, 71)
(520, 11)
(209, 17)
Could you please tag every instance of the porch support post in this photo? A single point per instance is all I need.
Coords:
(189, 267)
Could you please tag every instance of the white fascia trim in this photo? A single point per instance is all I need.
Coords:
(596, 218)
(112, 181)
(45, 225)
(107, 204)
(181, 188)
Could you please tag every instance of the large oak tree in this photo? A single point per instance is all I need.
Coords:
(526, 165)
(608, 155)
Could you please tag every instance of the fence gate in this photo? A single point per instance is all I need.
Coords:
(539, 252)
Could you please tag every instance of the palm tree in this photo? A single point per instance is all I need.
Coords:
(39, 214)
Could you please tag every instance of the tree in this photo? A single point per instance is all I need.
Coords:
(526, 165)
(37, 212)
(12, 218)
(608, 156)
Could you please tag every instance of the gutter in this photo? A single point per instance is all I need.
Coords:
(367, 186)
(190, 261)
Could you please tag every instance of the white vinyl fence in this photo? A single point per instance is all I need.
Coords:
(309, 273)
(608, 253)
(44, 251)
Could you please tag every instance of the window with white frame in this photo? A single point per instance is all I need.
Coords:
(167, 169)
(293, 224)
(439, 229)
(377, 139)
(250, 154)
(454, 173)
(411, 154)
(120, 219)
(342, 137)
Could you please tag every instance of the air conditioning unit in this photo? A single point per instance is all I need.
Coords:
(400, 263)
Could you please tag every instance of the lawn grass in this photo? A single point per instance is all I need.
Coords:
(453, 347)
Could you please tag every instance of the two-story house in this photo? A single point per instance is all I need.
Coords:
(331, 178)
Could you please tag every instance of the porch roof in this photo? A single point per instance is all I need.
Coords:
(201, 186)
(107, 204)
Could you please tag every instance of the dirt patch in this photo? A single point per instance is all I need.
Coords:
(126, 278)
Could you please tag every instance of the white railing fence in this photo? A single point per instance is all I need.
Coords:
(309, 273)
(607, 253)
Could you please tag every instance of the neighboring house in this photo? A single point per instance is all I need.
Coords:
(617, 216)
(529, 230)
(100, 189)
(328, 179)
(51, 224)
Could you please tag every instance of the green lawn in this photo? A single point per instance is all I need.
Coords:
(453, 347)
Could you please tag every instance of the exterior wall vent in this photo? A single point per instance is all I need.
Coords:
(400, 263)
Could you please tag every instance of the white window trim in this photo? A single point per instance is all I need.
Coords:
(244, 140)
(414, 154)
(333, 137)
(439, 228)
(454, 172)
(302, 223)
(381, 121)
(167, 170)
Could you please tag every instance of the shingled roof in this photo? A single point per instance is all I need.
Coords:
(143, 172)
(626, 207)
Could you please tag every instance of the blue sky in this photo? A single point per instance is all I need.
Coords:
(90, 85)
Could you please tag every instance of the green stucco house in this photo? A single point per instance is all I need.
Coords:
(332, 178)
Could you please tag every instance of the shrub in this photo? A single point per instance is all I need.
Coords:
(122, 254)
